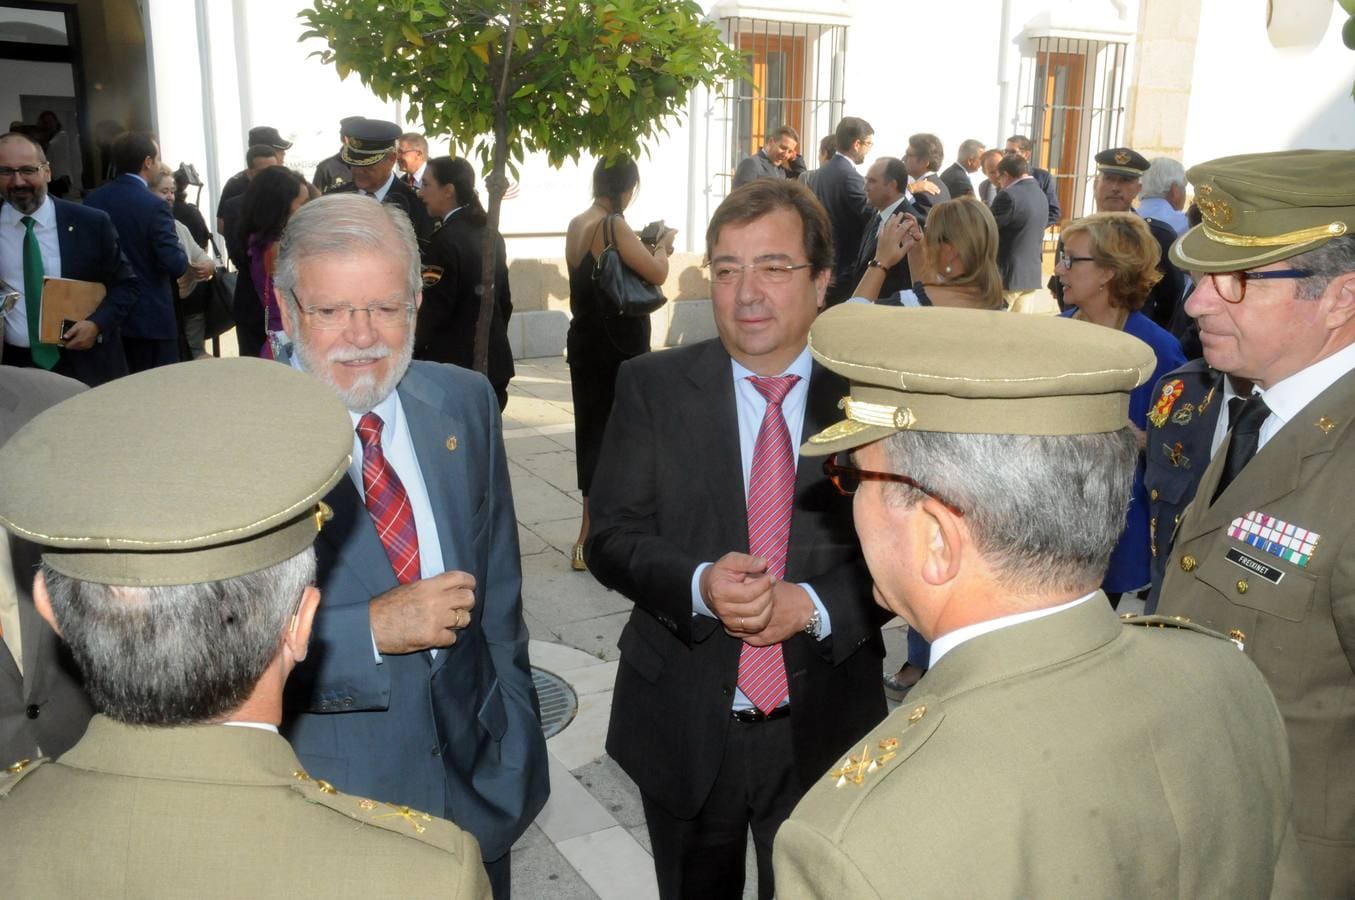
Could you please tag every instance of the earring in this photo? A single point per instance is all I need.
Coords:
(948, 270)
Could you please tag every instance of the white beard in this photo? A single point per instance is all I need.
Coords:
(365, 393)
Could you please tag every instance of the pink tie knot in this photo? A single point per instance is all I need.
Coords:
(775, 388)
(369, 431)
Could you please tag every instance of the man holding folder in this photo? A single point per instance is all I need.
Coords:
(40, 238)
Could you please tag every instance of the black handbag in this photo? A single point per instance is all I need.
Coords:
(623, 293)
(218, 315)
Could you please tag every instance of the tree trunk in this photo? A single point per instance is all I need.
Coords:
(497, 185)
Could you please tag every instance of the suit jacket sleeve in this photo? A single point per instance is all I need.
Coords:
(118, 278)
(165, 241)
(1052, 194)
(624, 549)
(1004, 210)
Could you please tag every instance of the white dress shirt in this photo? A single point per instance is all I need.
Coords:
(12, 261)
(381, 192)
(1288, 397)
(1221, 423)
(948, 642)
(751, 406)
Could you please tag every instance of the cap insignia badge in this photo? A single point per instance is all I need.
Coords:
(1121, 158)
(1217, 212)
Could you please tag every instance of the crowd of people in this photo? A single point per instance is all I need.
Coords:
(899, 416)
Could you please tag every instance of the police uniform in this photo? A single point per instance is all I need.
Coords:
(202, 810)
(1061, 753)
(334, 171)
(1271, 560)
(371, 142)
(1186, 405)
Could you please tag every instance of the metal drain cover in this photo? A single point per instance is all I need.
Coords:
(559, 703)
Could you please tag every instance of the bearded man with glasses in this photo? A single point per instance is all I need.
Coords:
(752, 657)
(1266, 552)
(421, 694)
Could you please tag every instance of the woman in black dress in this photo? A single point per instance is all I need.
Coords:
(597, 344)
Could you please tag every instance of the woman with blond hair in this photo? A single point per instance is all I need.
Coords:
(1107, 267)
(954, 263)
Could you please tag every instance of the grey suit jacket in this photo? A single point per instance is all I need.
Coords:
(460, 736)
(1020, 210)
(44, 711)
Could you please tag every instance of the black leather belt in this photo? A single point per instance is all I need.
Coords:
(750, 716)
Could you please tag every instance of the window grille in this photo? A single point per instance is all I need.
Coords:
(1075, 93)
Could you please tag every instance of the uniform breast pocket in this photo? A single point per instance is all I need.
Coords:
(1257, 580)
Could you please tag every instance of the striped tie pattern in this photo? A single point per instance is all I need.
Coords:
(771, 495)
(388, 503)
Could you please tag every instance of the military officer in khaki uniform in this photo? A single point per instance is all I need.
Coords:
(1266, 552)
(178, 567)
(1051, 750)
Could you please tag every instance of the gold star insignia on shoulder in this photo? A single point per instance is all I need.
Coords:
(1326, 425)
(412, 816)
(18, 766)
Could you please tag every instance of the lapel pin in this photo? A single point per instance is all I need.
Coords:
(451, 442)
(1326, 425)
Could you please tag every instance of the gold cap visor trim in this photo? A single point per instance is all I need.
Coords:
(1198, 250)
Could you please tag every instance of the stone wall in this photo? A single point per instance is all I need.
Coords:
(1164, 65)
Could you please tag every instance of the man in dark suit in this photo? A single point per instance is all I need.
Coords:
(956, 176)
(334, 171)
(886, 180)
(72, 242)
(370, 151)
(421, 691)
(261, 139)
(771, 160)
(246, 308)
(43, 707)
(1019, 209)
(922, 158)
(842, 192)
(1021, 146)
(752, 658)
(145, 224)
(989, 187)
(445, 330)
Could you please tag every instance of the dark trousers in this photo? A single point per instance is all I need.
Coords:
(500, 872)
(756, 787)
(150, 353)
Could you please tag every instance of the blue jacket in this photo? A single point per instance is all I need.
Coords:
(90, 251)
(145, 225)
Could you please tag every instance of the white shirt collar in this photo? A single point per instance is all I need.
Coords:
(949, 641)
(802, 365)
(1287, 397)
(891, 208)
(262, 726)
(43, 217)
(380, 193)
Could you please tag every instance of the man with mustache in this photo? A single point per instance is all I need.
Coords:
(420, 692)
(41, 236)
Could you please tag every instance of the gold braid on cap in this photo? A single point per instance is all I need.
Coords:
(900, 417)
(1302, 236)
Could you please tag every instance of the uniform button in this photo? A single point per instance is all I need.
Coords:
(33, 710)
(1242, 585)
(437, 751)
(1188, 563)
(1153, 496)
(1237, 635)
(916, 715)
(347, 702)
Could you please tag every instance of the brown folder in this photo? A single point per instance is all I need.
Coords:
(66, 298)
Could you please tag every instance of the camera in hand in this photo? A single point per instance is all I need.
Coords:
(652, 232)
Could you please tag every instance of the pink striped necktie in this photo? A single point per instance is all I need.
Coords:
(771, 495)
(388, 503)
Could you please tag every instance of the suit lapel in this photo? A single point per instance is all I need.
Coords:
(1275, 470)
(352, 539)
(65, 238)
(711, 402)
(826, 390)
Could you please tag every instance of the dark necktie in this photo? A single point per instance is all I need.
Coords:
(1243, 439)
(409, 179)
(388, 503)
(1235, 405)
(44, 355)
(771, 495)
(866, 252)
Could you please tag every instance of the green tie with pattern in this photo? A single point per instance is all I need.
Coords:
(44, 355)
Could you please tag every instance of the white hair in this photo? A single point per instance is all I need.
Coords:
(1162, 173)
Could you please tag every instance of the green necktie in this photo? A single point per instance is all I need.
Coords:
(44, 355)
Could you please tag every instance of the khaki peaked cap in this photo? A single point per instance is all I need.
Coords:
(973, 372)
(1260, 208)
(184, 474)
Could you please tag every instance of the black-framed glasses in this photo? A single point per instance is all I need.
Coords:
(848, 478)
(771, 273)
(1067, 261)
(1232, 286)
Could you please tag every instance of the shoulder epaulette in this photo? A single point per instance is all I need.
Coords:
(12, 775)
(402, 820)
(1174, 622)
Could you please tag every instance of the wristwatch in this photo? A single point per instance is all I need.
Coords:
(876, 264)
(814, 627)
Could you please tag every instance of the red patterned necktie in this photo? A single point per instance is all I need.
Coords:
(771, 494)
(388, 503)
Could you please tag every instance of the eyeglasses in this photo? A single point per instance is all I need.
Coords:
(25, 171)
(770, 273)
(1232, 286)
(848, 478)
(1063, 259)
(336, 317)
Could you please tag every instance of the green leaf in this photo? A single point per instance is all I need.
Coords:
(626, 85)
(523, 91)
(412, 35)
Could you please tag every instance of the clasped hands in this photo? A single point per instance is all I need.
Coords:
(752, 604)
(898, 235)
(423, 614)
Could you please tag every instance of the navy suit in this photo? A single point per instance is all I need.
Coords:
(145, 226)
(90, 251)
(1051, 193)
(842, 191)
(458, 736)
(1177, 453)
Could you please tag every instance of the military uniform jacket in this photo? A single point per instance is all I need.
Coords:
(1068, 756)
(1185, 407)
(213, 811)
(1294, 613)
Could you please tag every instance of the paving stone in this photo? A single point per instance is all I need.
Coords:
(532, 837)
(557, 469)
(613, 864)
(557, 595)
(536, 500)
(584, 740)
(571, 810)
(614, 789)
(559, 534)
(526, 442)
(597, 636)
(530, 543)
(543, 872)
